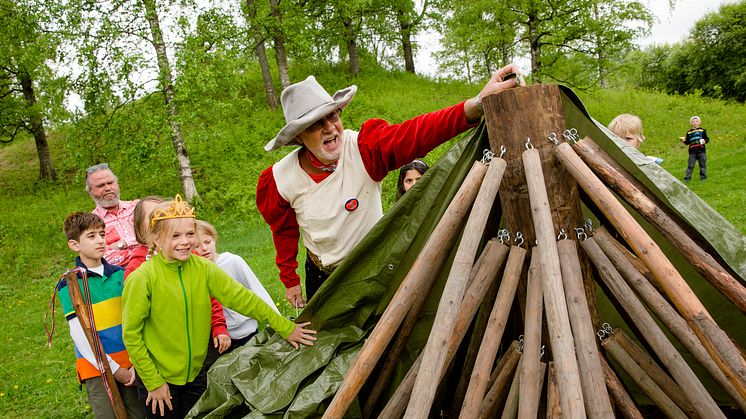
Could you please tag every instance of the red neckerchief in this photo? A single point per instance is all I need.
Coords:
(315, 162)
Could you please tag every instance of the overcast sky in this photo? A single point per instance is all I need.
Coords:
(671, 25)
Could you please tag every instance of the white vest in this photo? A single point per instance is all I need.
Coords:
(335, 214)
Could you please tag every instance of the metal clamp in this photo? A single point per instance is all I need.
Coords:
(604, 332)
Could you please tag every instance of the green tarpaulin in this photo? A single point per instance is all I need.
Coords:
(267, 377)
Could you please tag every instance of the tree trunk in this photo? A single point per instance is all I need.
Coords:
(279, 37)
(261, 55)
(46, 168)
(167, 86)
(405, 33)
(351, 46)
(534, 46)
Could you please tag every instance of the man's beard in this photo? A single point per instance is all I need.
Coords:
(107, 202)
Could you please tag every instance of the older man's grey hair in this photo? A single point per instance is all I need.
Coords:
(96, 168)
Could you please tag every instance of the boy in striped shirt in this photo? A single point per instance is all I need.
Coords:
(86, 236)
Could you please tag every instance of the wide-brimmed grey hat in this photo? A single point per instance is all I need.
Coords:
(304, 103)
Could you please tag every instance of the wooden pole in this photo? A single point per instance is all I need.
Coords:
(418, 280)
(595, 396)
(554, 409)
(433, 358)
(629, 188)
(717, 343)
(655, 372)
(490, 342)
(627, 263)
(528, 403)
(667, 353)
(81, 311)
(639, 375)
(503, 372)
(474, 296)
(622, 400)
(397, 347)
(511, 403)
(560, 332)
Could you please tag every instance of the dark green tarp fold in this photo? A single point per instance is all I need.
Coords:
(267, 377)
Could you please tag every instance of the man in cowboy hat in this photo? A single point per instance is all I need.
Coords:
(329, 189)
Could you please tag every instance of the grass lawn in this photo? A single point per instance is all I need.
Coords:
(37, 381)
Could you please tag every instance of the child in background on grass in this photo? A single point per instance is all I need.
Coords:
(221, 340)
(409, 174)
(166, 306)
(86, 235)
(241, 328)
(696, 138)
(629, 128)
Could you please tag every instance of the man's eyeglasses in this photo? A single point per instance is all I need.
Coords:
(332, 117)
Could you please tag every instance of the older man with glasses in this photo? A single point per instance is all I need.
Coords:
(103, 187)
(329, 189)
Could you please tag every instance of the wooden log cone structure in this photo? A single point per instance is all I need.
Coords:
(483, 279)
(534, 112)
(715, 340)
(81, 311)
(595, 396)
(624, 261)
(558, 320)
(433, 358)
(664, 349)
(417, 281)
(634, 193)
(528, 403)
(641, 377)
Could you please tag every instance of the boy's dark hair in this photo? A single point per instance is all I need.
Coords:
(78, 222)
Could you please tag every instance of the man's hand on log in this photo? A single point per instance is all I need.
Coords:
(505, 78)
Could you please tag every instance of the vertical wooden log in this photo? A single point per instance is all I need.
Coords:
(667, 353)
(418, 280)
(639, 375)
(554, 408)
(595, 396)
(534, 112)
(560, 332)
(627, 265)
(632, 191)
(503, 372)
(434, 353)
(81, 311)
(490, 343)
(397, 347)
(483, 279)
(528, 404)
(717, 343)
(655, 372)
(622, 400)
(511, 403)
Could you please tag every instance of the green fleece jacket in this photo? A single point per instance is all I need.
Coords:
(166, 314)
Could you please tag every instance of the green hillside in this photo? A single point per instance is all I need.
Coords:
(225, 134)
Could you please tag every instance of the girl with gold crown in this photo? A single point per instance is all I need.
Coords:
(166, 314)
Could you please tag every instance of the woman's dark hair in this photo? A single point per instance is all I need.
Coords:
(417, 165)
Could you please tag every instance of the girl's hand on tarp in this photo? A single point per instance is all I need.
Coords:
(302, 336)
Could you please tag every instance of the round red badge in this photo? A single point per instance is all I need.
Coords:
(351, 204)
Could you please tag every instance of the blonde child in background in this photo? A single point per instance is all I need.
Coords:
(241, 328)
(141, 216)
(166, 314)
(629, 128)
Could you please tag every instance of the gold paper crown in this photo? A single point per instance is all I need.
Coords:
(178, 208)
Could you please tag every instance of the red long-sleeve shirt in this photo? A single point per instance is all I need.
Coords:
(383, 147)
